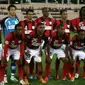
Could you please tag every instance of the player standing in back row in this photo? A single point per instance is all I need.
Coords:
(49, 23)
(28, 26)
(8, 25)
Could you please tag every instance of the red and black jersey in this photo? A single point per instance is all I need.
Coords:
(49, 23)
(78, 24)
(12, 42)
(66, 25)
(28, 26)
(34, 40)
(56, 41)
(77, 44)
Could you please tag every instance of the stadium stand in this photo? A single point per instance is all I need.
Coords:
(54, 10)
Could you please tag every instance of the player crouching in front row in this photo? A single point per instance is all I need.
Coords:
(33, 48)
(77, 46)
(58, 44)
(14, 45)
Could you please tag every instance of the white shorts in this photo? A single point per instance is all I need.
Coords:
(59, 52)
(15, 54)
(35, 54)
(79, 53)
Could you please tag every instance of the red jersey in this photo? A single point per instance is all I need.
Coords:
(56, 41)
(66, 25)
(35, 41)
(78, 24)
(77, 44)
(49, 23)
(28, 26)
(12, 42)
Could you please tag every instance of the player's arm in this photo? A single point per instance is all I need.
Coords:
(6, 45)
(72, 41)
(27, 53)
(47, 44)
(26, 42)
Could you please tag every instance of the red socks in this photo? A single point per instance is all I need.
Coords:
(65, 70)
(47, 70)
(71, 70)
(20, 72)
(2, 72)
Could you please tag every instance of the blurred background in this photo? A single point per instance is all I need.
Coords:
(54, 6)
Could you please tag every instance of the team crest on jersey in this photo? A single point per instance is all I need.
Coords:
(33, 27)
(82, 44)
(12, 45)
(62, 40)
(6, 42)
(50, 23)
(68, 26)
(19, 41)
(25, 28)
(49, 38)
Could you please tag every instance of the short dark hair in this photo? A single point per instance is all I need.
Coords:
(29, 10)
(80, 15)
(44, 8)
(11, 6)
(61, 11)
(17, 25)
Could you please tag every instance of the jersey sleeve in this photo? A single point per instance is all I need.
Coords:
(7, 43)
